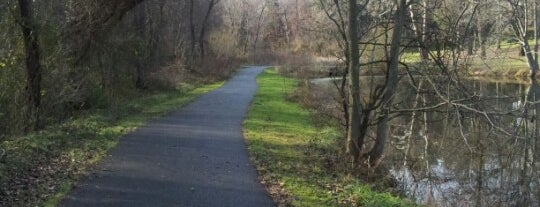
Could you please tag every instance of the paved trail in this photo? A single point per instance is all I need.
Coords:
(193, 157)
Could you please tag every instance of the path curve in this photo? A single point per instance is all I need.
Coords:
(193, 157)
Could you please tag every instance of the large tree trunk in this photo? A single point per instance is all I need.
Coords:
(376, 152)
(33, 67)
(353, 132)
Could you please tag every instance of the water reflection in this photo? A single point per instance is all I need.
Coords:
(455, 156)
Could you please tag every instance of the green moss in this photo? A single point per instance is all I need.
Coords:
(286, 146)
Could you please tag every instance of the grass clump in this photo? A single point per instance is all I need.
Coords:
(41, 167)
(290, 152)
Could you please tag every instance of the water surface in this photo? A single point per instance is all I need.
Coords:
(482, 151)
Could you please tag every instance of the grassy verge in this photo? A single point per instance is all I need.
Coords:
(40, 168)
(288, 149)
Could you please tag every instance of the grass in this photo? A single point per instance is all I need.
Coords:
(288, 149)
(40, 168)
(500, 63)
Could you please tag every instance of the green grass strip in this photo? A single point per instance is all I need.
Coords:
(288, 150)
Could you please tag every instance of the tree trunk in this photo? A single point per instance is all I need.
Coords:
(243, 33)
(470, 44)
(421, 33)
(535, 89)
(259, 21)
(532, 59)
(286, 27)
(520, 28)
(202, 34)
(33, 67)
(192, 33)
(156, 35)
(353, 132)
(534, 70)
(483, 49)
(376, 152)
(483, 28)
(140, 26)
(425, 30)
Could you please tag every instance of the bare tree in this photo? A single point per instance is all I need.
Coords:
(354, 138)
(392, 80)
(33, 67)
(520, 21)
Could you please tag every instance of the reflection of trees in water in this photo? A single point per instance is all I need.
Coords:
(457, 156)
(477, 149)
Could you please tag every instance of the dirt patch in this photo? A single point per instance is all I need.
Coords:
(280, 197)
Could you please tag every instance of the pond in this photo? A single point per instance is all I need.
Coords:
(481, 151)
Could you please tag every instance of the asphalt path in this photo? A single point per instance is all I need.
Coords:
(195, 156)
